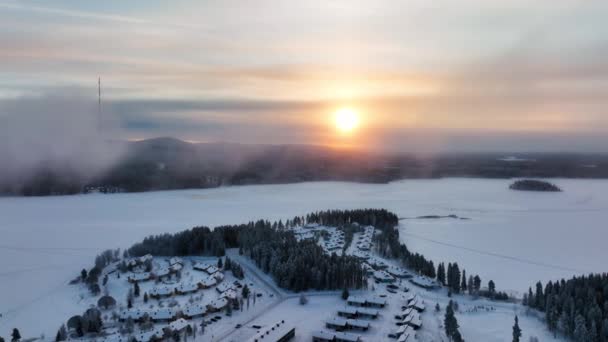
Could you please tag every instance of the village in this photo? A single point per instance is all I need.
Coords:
(230, 299)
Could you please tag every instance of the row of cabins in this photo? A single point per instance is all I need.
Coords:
(278, 332)
(350, 312)
(185, 288)
(175, 265)
(169, 314)
(157, 334)
(373, 302)
(335, 240)
(364, 243)
(405, 333)
(342, 324)
(425, 282)
(335, 336)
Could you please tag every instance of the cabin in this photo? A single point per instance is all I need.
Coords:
(221, 288)
(163, 315)
(383, 277)
(356, 301)
(346, 337)
(424, 282)
(278, 332)
(322, 336)
(139, 277)
(178, 325)
(134, 314)
(194, 311)
(187, 288)
(208, 282)
(338, 324)
(217, 305)
(161, 291)
(347, 312)
(367, 313)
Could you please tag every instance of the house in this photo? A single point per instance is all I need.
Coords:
(367, 313)
(208, 282)
(200, 266)
(147, 336)
(375, 302)
(217, 305)
(322, 336)
(176, 268)
(161, 291)
(398, 272)
(347, 312)
(278, 332)
(383, 277)
(178, 325)
(346, 337)
(425, 282)
(358, 313)
(229, 294)
(134, 314)
(175, 261)
(401, 316)
(417, 305)
(413, 320)
(163, 315)
(139, 277)
(162, 272)
(356, 301)
(221, 288)
(194, 311)
(185, 288)
(357, 324)
(339, 324)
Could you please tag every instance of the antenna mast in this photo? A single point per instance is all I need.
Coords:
(99, 105)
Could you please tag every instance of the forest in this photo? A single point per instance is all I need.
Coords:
(576, 308)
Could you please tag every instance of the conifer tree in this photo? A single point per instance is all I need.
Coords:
(516, 330)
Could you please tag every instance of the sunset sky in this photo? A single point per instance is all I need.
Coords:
(475, 75)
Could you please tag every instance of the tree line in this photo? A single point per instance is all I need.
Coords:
(576, 308)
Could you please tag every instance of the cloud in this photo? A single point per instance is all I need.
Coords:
(59, 133)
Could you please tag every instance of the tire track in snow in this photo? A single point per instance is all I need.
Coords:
(497, 255)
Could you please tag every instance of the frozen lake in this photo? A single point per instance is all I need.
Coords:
(514, 238)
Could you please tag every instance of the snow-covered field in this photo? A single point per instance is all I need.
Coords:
(512, 237)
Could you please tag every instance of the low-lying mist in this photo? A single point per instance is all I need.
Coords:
(53, 138)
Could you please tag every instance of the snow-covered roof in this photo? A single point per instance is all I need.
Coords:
(132, 313)
(175, 260)
(139, 276)
(161, 291)
(187, 287)
(230, 294)
(337, 322)
(275, 332)
(162, 272)
(323, 335)
(218, 303)
(347, 337)
(194, 310)
(223, 287)
(178, 325)
(146, 336)
(162, 314)
(209, 281)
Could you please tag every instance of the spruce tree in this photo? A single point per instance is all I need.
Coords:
(516, 330)
(345, 294)
(16, 335)
(450, 323)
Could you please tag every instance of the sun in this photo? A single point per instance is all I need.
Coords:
(347, 119)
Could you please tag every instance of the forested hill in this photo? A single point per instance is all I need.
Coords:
(167, 163)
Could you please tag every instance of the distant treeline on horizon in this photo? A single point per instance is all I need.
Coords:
(166, 163)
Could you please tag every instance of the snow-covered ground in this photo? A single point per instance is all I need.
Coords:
(512, 237)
